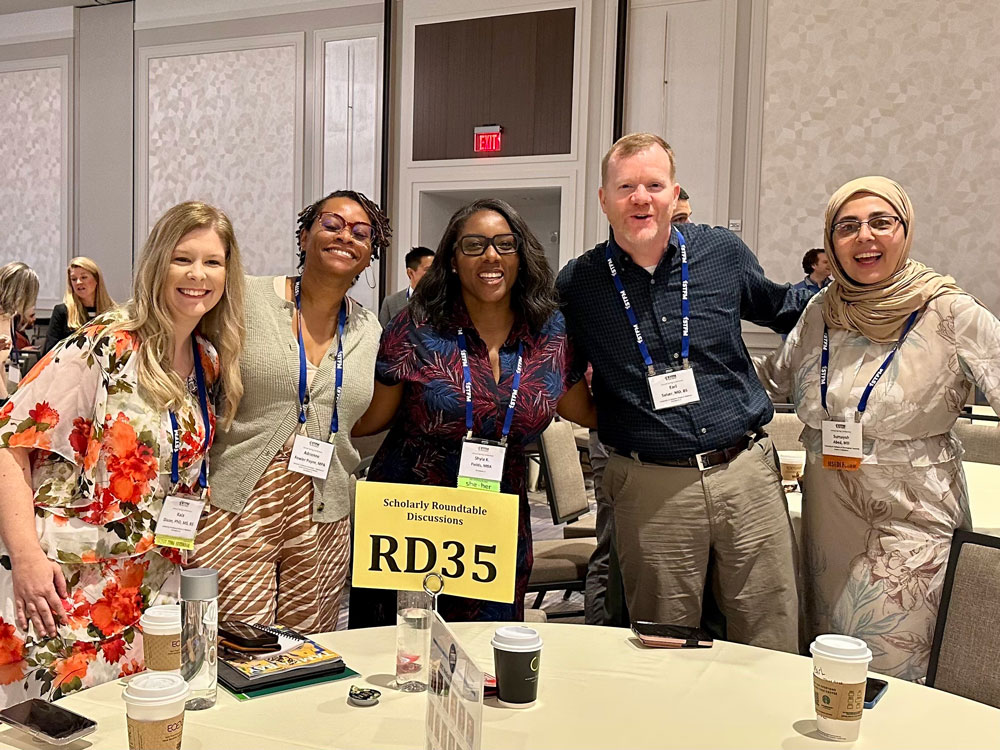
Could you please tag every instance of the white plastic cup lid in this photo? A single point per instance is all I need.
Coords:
(841, 648)
(155, 689)
(162, 614)
(516, 638)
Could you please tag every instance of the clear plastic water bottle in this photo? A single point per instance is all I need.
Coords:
(199, 635)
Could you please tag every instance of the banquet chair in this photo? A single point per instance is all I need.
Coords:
(784, 431)
(965, 653)
(980, 441)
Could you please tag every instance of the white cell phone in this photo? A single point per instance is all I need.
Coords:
(48, 721)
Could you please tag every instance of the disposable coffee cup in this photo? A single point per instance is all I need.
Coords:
(154, 708)
(840, 668)
(161, 638)
(517, 651)
(792, 464)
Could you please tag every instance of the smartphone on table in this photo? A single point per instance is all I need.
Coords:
(874, 690)
(239, 636)
(48, 721)
(662, 635)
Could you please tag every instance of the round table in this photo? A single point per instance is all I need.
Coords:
(599, 688)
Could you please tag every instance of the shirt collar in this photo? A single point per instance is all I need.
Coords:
(620, 256)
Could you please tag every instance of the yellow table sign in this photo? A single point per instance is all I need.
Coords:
(402, 532)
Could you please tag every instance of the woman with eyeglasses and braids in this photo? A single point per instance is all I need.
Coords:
(487, 299)
(879, 366)
(278, 530)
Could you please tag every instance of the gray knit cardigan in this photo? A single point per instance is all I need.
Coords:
(268, 412)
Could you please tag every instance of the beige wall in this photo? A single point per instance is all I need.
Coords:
(856, 87)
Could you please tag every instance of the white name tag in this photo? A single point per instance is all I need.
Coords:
(177, 525)
(311, 457)
(481, 465)
(674, 388)
(13, 373)
(842, 439)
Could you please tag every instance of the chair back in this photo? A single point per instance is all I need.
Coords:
(965, 653)
(784, 430)
(980, 441)
(564, 482)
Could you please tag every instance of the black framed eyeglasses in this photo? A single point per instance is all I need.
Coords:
(877, 225)
(476, 244)
(361, 231)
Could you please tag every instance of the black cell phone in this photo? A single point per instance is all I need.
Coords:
(47, 721)
(241, 634)
(874, 690)
(663, 635)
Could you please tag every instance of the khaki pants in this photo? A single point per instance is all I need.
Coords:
(668, 520)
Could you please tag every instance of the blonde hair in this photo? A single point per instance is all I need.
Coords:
(633, 143)
(146, 314)
(18, 289)
(76, 313)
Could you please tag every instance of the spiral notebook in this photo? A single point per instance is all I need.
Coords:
(299, 659)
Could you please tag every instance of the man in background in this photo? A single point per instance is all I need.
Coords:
(418, 260)
(817, 269)
(682, 210)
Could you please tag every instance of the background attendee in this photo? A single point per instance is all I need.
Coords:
(281, 538)
(682, 209)
(490, 285)
(18, 293)
(877, 532)
(86, 297)
(695, 475)
(86, 463)
(817, 269)
(418, 260)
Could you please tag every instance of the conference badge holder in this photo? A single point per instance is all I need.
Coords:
(672, 388)
(177, 524)
(481, 464)
(310, 456)
(842, 445)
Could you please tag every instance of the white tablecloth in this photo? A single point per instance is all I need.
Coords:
(599, 688)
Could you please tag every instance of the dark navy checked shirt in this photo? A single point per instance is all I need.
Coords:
(726, 284)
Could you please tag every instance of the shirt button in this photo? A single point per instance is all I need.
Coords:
(652, 281)
(704, 430)
(677, 355)
(663, 319)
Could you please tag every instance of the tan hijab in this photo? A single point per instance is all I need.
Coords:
(878, 311)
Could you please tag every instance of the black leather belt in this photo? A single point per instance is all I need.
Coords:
(702, 461)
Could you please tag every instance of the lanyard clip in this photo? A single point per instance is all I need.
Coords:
(468, 435)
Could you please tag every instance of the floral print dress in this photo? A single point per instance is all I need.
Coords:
(100, 469)
(876, 540)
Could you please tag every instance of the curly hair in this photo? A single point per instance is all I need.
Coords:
(381, 229)
(533, 297)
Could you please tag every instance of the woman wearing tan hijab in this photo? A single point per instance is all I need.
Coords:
(883, 486)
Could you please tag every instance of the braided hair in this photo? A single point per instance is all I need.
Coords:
(381, 229)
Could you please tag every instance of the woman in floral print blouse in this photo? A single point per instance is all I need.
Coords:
(86, 454)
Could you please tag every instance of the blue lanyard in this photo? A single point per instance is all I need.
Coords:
(467, 386)
(824, 369)
(339, 378)
(175, 432)
(685, 307)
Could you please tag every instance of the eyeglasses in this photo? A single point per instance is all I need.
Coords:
(360, 231)
(877, 225)
(476, 244)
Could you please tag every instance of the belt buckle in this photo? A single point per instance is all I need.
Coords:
(700, 460)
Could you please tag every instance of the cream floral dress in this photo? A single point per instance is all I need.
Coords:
(100, 469)
(876, 540)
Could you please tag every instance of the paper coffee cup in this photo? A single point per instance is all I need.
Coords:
(840, 668)
(161, 638)
(517, 652)
(792, 464)
(154, 707)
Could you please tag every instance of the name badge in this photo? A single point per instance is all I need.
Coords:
(310, 457)
(481, 465)
(673, 388)
(177, 525)
(13, 373)
(842, 445)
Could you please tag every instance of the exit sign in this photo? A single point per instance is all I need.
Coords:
(487, 139)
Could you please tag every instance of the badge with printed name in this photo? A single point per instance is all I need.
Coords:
(13, 373)
(311, 457)
(842, 445)
(481, 465)
(177, 525)
(672, 388)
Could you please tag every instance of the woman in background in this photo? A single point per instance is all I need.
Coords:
(86, 297)
(877, 528)
(18, 294)
(108, 424)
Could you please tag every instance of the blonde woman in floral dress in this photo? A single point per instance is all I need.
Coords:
(877, 531)
(86, 454)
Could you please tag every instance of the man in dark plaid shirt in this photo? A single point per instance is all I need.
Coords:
(691, 473)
